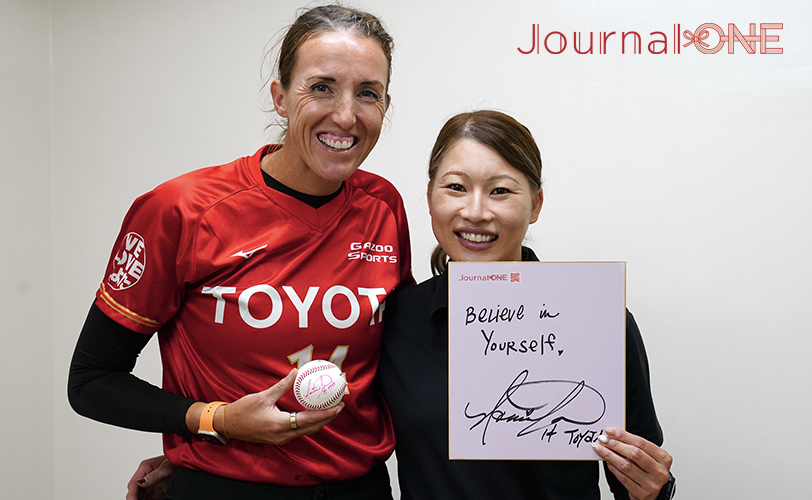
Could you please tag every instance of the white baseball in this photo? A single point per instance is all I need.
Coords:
(319, 385)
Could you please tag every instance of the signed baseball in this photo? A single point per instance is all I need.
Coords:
(319, 385)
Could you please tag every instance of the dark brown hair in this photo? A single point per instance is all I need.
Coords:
(503, 134)
(329, 18)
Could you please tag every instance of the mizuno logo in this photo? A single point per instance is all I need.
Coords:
(249, 253)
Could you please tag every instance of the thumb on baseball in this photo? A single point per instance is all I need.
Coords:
(279, 389)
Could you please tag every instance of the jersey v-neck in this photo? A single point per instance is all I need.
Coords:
(312, 200)
(317, 211)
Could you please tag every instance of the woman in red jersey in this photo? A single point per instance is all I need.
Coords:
(250, 269)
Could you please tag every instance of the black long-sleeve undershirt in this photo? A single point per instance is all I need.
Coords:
(101, 385)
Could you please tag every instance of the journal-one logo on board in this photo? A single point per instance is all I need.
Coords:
(512, 277)
(708, 38)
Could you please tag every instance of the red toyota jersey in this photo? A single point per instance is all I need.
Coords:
(242, 283)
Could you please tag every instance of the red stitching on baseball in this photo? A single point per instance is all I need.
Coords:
(318, 366)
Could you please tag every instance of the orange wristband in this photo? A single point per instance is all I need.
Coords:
(206, 427)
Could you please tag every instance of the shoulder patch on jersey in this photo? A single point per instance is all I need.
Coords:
(128, 265)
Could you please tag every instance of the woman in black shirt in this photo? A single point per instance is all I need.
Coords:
(484, 191)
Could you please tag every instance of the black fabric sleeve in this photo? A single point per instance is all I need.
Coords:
(641, 418)
(102, 387)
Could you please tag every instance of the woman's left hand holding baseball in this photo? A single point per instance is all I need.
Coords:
(642, 467)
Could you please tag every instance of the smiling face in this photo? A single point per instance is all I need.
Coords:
(335, 105)
(480, 205)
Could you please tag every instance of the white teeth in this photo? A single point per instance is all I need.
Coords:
(477, 238)
(336, 144)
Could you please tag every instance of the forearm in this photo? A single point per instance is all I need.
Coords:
(102, 387)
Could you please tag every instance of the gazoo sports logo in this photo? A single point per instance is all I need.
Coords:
(129, 263)
(372, 252)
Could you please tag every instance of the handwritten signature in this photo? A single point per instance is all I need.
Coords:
(318, 386)
(584, 405)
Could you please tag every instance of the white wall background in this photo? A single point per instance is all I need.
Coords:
(692, 168)
(26, 253)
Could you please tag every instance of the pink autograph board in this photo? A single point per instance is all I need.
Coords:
(536, 358)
